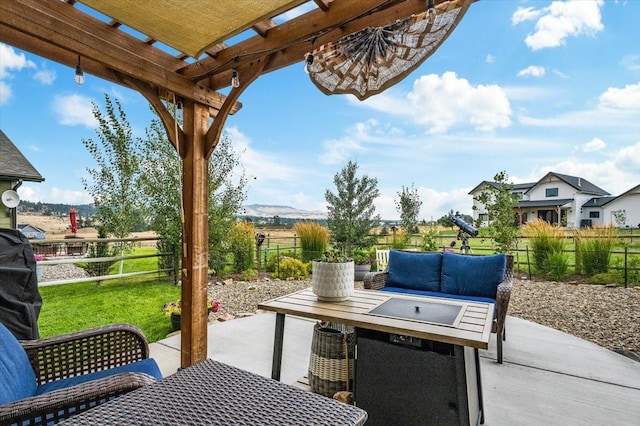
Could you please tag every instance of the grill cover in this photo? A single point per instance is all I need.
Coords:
(20, 301)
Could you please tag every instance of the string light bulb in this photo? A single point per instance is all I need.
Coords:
(79, 77)
(308, 61)
(235, 81)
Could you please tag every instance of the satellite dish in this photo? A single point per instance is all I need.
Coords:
(10, 198)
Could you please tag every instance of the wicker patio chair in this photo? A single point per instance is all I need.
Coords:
(71, 373)
(378, 280)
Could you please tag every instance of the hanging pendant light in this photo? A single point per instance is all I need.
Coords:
(79, 77)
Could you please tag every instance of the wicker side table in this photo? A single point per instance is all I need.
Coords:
(213, 393)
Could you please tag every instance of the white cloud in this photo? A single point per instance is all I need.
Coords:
(5, 93)
(560, 74)
(627, 98)
(74, 110)
(533, 71)
(260, 165)
(631, 62)
(46, 77)
(12, 61)
(490, 59)
(338, 151)
(595, 144)
(34, 192)
(562, 19)
(628, 159)
(442, 102)
(523, 14)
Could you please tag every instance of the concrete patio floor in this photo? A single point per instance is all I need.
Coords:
(547, 378)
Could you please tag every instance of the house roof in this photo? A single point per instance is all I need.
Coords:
(544, 203)
(514, 186)
(602, 201)
(24, 226)
(580, 184)
(14, 165)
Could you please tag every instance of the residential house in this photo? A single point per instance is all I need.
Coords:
(32, 232)
(14, 169)
(569, 201)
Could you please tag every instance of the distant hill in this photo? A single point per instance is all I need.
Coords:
(285, 212)
(55, 209)
(251, 210)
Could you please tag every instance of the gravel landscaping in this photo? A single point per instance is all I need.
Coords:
(607, 316)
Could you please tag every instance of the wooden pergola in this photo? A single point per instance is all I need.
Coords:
(185, 52)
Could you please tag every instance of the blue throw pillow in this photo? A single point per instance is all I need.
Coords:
(416, 271)
(472, 275)
(17, 379)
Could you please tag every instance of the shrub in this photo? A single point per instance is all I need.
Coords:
(273, 259)
(289, 267)
(313, 239)
(593, 249)
(241, 245)
(545, 240)
(430, 240)
(399, 240)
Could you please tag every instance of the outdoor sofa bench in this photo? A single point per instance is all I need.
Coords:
(487, 278)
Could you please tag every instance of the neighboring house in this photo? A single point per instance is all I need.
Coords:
(32, 232)
(566, 200)
(14, 169)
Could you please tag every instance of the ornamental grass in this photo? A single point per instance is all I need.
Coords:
(593, 249)
(547, 242)
(314, 239)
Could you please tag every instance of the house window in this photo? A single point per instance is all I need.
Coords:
(594, 215)
(484, 217)
(551, 192)
(517, 195)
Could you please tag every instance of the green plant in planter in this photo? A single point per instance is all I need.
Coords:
(175, 307)
(362, 257)
(334, 256)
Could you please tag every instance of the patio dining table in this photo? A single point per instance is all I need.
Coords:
(213, 393)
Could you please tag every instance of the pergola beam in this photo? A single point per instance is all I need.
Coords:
(344, 17)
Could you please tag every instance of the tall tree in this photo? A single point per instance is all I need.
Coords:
(408, 205)
(113, 182)
(500, 204)
(351, 212)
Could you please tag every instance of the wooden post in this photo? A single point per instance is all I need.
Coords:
(195, 236)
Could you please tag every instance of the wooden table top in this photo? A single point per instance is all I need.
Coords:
(471, 328)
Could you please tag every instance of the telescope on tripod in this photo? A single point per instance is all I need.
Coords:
(464, 229)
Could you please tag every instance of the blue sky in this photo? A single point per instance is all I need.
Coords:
(522, 86)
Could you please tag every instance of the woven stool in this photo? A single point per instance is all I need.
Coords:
(331, 360)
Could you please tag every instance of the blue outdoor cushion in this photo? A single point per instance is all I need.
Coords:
(472, 275)
(417, 271)
(17, 379)
(148, 366)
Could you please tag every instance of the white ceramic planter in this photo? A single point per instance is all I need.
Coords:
(332, 282)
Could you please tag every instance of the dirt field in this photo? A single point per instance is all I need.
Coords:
(57, 227)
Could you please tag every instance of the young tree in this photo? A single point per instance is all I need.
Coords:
(113, 182)
(500, 204)
(351, 212)
(161, 183)
(408, 205)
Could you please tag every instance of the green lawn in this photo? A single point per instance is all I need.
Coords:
(73, 307)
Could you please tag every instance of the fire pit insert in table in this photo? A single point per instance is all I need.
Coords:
(432, 312)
